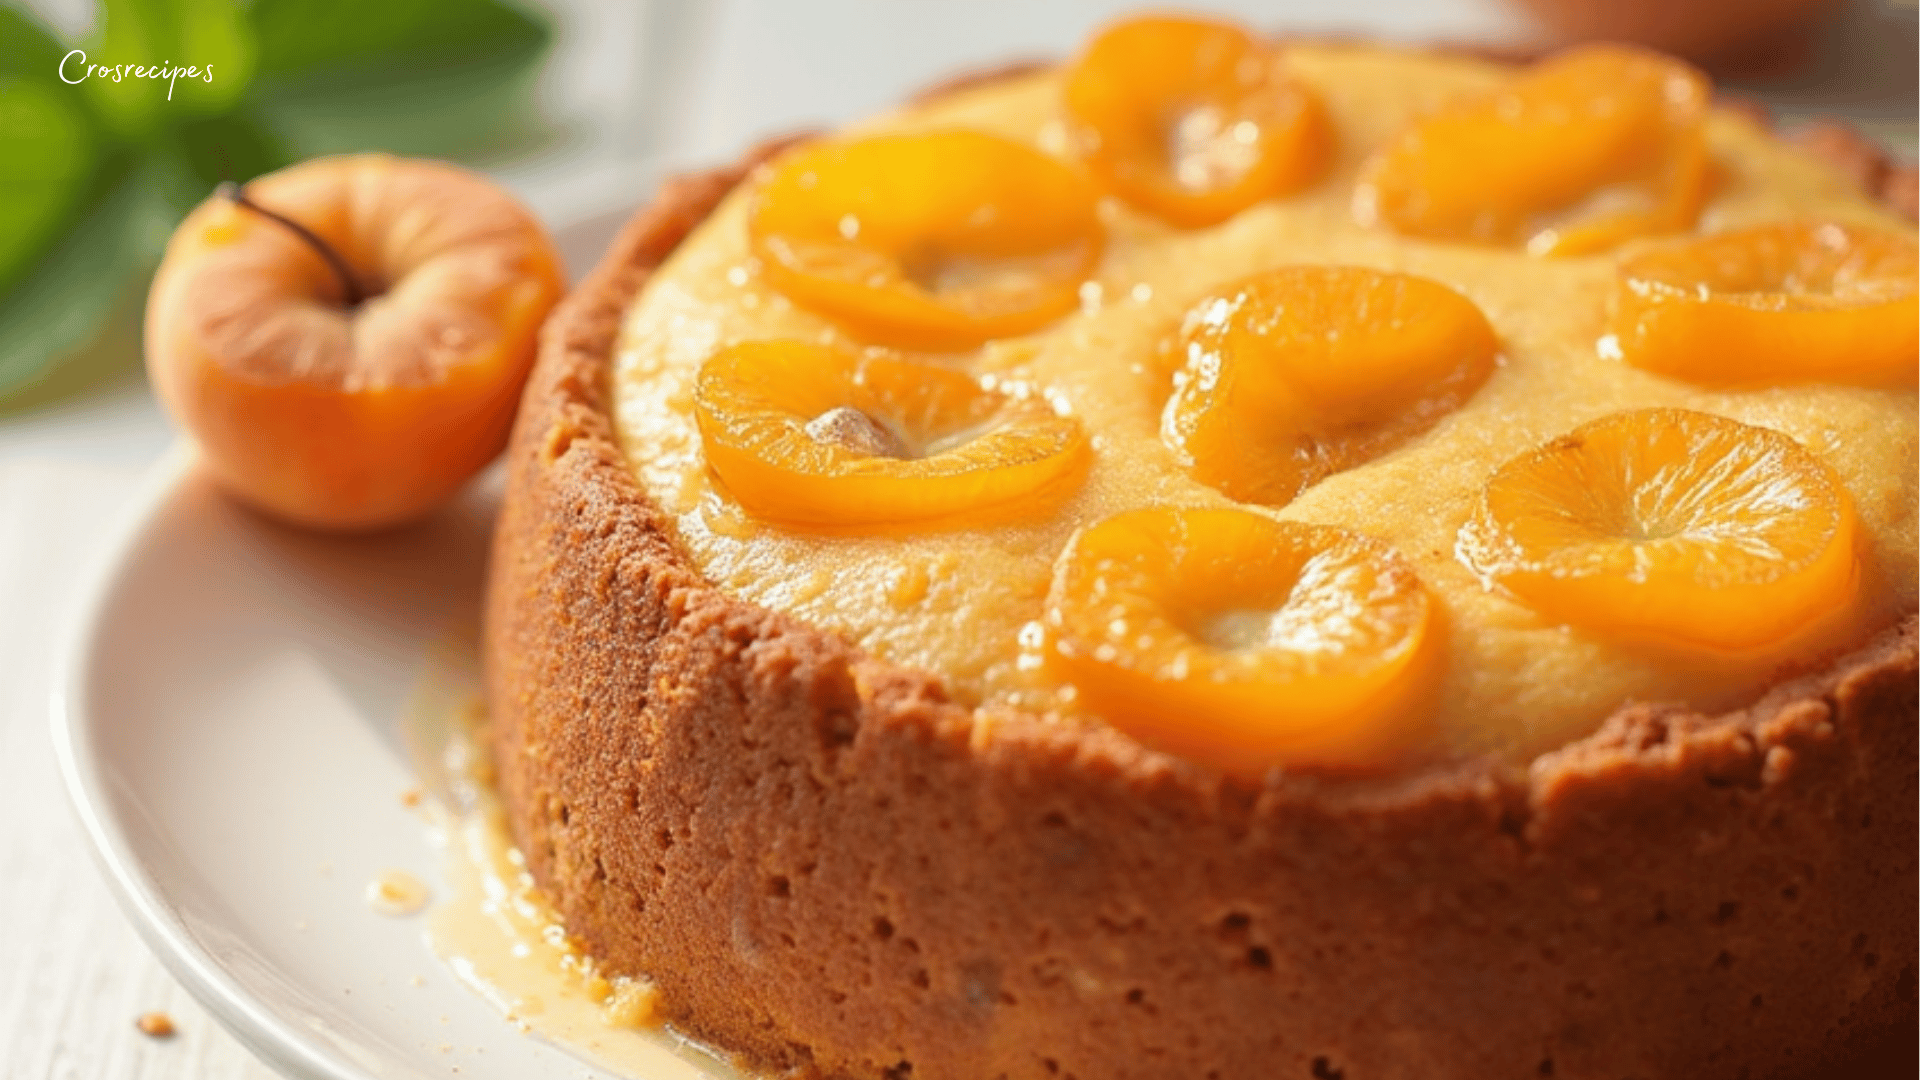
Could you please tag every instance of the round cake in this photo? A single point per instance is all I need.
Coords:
(974, 739)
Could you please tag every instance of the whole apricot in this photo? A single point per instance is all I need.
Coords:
(346, 338)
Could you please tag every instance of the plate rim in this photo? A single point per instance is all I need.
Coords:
(129, 879)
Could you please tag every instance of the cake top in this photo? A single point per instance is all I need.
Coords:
(1354, 384)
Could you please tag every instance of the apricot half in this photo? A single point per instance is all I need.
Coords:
(1244, 642)
(1789, 303)
(1193, 120)
(1588, 148)
(820, 438)
(1670, 526)
(940, 240)
(1299, 372)
(339, 411)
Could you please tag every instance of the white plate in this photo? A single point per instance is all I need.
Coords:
(229, 721)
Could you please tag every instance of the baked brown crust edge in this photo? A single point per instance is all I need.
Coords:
(832, 871)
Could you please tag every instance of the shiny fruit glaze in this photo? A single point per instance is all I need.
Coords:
(1595, 146)
(1294, 374)
(1802, 301)
(815, 437)
(1672, 526)
(1193, 121)
(1230, 638)
(939, 240)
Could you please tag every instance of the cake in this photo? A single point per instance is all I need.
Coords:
(845, 771)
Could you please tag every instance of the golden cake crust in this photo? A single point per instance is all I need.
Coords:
(829, 869)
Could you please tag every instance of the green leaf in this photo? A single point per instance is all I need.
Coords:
(50, 154)
(27, 48)
(448, 78)
(473, 112)
(150, 36)
(237, 146)
(355, 36)
(62, 302)
(51, 144)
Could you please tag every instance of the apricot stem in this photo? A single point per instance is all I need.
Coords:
(355, 293)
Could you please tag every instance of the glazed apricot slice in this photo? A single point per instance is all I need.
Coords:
(816, 437)
(1672, 526)
(1193, 121)
(1303, 371)
(940, 240)
(1594, 146)
(1787, 303)
(1243, 642)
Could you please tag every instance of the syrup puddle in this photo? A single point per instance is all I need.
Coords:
(492, 926)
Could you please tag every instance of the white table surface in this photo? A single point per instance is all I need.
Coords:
(73, 974)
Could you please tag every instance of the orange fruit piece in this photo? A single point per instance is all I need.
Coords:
(1242, 642)
(1591, 147)
(1673, 526)
(811, 436)
(933, 241)
(1296, 373)
(1192, 120)
(363, 392)
(1789, 303)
